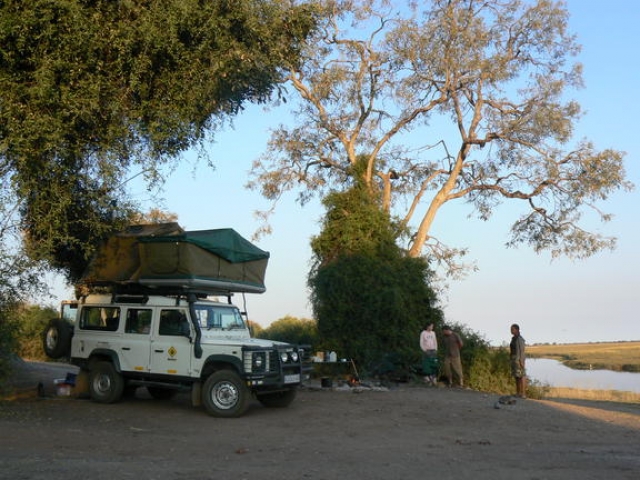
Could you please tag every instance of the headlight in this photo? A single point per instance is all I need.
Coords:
(284, 357)
(258, 361)
(294, 356)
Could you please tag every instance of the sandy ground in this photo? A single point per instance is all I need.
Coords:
(408, 431)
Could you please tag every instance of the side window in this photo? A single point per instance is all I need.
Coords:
(207, 317)
(174, 322)
(138, 320)
(100, 318)
(219, 317)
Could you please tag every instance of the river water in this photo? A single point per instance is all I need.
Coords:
(556, 374)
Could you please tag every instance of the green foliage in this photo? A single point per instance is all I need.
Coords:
(31, 321)
(355, 223)
(8, 340)
(489, 371)
(368, 307)
(474, 350)
(485, 368)
(19, 277)
(92, 90)
(256, 329)
(21, 328)
(370, 299)
(300, 331)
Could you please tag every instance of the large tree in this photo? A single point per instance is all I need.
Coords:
(95, 91)
(447, 100)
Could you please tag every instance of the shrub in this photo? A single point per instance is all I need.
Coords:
(32, 320)
(485, 368)
(8, 341)
(300, 331)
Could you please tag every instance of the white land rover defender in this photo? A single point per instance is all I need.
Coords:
(156, 329)
(173, 343)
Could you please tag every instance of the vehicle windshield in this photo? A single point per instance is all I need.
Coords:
(216, 317)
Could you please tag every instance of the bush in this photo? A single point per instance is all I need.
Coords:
(371, 308)
(299, 331)
(484, 368)
(8, 341)
(32, 320)
(490, 371)
(256, 329)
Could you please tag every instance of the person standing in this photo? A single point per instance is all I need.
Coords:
(517, 357)
(429, 347)
(452, 363)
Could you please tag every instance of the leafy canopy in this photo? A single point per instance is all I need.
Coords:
(447, 100)
(93, 91)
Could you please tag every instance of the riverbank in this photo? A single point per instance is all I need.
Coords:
(591, 395)
(615, 356)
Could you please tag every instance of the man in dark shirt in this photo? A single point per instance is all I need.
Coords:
(517, 357)
(452, 364)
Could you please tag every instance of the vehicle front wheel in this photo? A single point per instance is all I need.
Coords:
(224, 394)
(106, 385)
(278, 399)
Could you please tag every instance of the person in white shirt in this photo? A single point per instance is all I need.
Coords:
(429, 347)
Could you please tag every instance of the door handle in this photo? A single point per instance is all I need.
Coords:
(158, 351)
(126, 348)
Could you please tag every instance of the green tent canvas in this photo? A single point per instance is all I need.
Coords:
(167, 257)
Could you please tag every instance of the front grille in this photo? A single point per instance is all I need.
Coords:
(274, 361)
(271, 361)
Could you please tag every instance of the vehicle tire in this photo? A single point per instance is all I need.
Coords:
(56, 338)
(224, 394)
(161, 393)
(106, 385)
(278, 399)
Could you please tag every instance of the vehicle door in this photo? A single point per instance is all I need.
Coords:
(135, 350)
(172, 348)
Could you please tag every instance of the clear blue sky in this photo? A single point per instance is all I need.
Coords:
(561, 301)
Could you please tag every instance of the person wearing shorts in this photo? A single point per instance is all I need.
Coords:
(517, 357)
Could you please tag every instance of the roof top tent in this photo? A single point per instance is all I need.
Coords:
(167, 259)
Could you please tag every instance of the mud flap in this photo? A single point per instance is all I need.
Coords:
(196, 394)
(81, 388)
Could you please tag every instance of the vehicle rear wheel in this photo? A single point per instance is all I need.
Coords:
(160, 393)
(56, 339)
(224, 394)
(278, 399)
(106, 385)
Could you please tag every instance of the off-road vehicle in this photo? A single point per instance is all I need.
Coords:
(173, 343)
(155, 327)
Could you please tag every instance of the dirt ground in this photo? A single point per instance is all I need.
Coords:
(408, 431)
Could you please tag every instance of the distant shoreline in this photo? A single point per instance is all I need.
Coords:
(622, 356)
(573, 344)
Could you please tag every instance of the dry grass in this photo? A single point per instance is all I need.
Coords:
(617, 356)
(595, 395)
